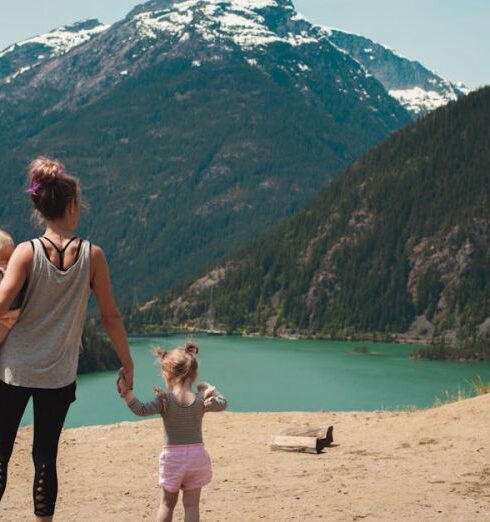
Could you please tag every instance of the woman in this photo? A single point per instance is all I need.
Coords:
(40, 355)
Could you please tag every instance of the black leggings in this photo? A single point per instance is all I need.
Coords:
(50, 409)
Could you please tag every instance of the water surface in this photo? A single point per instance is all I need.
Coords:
(257, 374)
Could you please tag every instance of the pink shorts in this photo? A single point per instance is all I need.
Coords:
(185, 467)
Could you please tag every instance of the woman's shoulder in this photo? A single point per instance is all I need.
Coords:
(24, 251)
(96, 251)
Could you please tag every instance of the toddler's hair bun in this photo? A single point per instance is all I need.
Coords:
(46, 170)
(160, 353)
(191, 348)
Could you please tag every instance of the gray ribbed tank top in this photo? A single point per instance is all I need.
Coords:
(42, 349)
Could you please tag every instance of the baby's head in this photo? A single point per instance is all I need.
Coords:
(7, 246)
(178, 365)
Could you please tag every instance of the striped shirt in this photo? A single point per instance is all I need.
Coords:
(182, 424)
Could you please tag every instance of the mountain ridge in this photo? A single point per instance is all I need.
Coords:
(423, 93)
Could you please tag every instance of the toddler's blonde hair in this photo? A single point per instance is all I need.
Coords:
(178, 364)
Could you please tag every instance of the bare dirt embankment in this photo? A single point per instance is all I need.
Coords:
(421, 465)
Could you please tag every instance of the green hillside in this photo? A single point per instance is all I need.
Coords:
(181, 164)
(400, 243)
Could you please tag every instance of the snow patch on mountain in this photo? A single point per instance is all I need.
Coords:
(415, 87)
(27, 54)
(60, 40)
(418, 100)
(240, 21)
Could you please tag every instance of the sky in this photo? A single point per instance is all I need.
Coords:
(450, 37)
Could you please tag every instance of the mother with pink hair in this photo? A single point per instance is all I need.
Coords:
(39, 358)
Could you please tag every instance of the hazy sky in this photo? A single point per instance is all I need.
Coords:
(447, 36)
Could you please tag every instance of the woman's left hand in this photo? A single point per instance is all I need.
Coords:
(122, 385)
(128, 372)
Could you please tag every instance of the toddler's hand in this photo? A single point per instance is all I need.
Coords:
(162, 395)
(207, 391)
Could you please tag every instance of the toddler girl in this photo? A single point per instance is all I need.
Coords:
(184, 462)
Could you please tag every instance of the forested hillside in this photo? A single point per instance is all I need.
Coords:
(400, 243)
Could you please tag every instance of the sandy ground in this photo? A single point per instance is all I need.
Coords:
(419, 465)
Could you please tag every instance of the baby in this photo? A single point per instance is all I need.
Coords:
(8, 319)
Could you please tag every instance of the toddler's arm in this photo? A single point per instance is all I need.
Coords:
(144, 409)
(141, 409)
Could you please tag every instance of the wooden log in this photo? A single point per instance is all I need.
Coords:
(291, 443)
(302, 444)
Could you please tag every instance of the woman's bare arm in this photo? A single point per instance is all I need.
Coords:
(110, 316)
(18, 270)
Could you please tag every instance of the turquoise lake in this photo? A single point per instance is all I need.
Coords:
(257, 374)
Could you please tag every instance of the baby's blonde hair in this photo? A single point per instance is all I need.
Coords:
(178, 364)
(7, 244)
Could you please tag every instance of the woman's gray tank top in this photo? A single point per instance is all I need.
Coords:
(42, 349)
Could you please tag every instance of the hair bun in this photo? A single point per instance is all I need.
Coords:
(46, 170)
(192, 348)
(160, 353)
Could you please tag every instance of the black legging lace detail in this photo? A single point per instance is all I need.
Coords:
(45, 489)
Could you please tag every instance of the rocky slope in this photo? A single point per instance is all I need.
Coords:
(417, 88)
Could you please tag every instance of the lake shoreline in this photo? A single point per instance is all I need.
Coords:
(368, 337)
(401, 339)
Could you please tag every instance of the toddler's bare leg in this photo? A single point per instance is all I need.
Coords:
(168, 501)
(191, 505)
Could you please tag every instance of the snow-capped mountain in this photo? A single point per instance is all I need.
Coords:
(23, 56)
(205, 122)
(194, 126)
(161, 28)
(417, 88)
(261, 33)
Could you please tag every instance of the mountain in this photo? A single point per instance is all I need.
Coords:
(399, 243)
(28, 54)
(194, 127)
(417, 88)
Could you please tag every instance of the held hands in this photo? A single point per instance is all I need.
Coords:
(123, 387)
(128, 372)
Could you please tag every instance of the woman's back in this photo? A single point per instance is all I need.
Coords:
(42, 349)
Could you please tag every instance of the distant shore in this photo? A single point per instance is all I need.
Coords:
(368, 337)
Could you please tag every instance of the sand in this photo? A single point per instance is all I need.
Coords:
(418, 465)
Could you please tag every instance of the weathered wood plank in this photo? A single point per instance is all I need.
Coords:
(302, 444)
